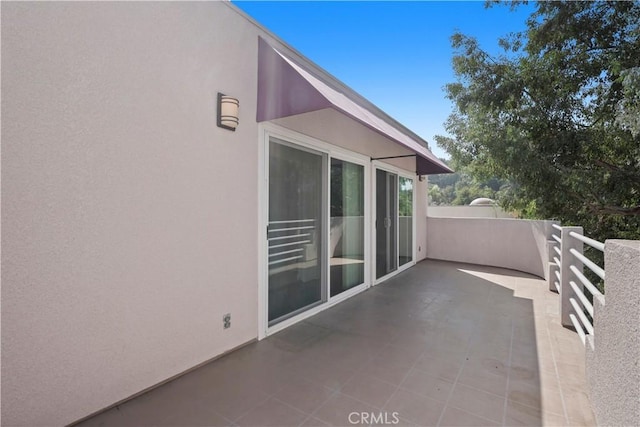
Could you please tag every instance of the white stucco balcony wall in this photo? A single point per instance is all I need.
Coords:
(478, 211)
(510, 243)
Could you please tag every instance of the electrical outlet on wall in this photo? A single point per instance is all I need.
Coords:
(226, 321)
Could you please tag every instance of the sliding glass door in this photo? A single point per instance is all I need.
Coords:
(316, 228)
(394, 222)
(405, 221)
(318, 232)
(346, 238)
(386, 222)
(296, 231)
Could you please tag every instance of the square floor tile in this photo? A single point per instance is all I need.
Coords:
(368, 389)
(521, 415)
(483, 380)
(458, 418)
(163, 407)
(233, 402)
(435, 388)
(524, 372)
(525, 393)
(337, 410)
(328, 375)
(303, 394)
(478, 402)
(314, 422)
(386, 371)
(444, 368)
(272, 413)
(198, 417)
(400, 355)
(415, 407)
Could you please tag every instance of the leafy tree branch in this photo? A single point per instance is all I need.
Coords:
(557, 115)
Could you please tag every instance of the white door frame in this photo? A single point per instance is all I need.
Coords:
(404, 174)
(267, 130)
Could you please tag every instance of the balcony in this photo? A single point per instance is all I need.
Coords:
(443, 343)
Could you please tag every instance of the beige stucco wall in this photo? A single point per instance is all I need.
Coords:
(510, 243)
(130, 221)
(468, 212)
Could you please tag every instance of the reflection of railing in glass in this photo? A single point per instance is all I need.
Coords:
(346, 253)
(290, 239)
(295, 233)
(294, 266)
(405, 229)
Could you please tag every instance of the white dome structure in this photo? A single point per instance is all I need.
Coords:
(482, 201)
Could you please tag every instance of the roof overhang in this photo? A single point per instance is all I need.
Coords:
(286, 88)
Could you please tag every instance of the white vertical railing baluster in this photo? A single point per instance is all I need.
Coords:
(570, 282)
(554, 258)
(566, 275)
(552, 265)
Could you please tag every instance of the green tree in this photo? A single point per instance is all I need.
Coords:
(556, 114)
(462, 187)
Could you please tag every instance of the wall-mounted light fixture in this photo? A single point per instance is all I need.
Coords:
(227, 112)
(421, 178)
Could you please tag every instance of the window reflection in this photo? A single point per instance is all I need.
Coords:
(405, 221)
(346, 238)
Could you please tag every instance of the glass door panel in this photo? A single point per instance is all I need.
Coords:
(346, 236)
(386, 227)
(296, 231)
(405, 221)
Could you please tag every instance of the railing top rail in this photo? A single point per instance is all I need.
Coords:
(589, 241)
(556, 226)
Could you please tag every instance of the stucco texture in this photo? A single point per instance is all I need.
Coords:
(613, 353)
(127, 225)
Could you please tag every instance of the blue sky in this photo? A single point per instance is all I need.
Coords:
(396, 54)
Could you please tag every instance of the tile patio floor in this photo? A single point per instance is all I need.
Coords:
(441, 344)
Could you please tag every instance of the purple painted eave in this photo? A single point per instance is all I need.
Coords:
(282, 91)
(285, 89)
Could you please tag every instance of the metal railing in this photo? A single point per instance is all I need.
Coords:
(569, 280)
